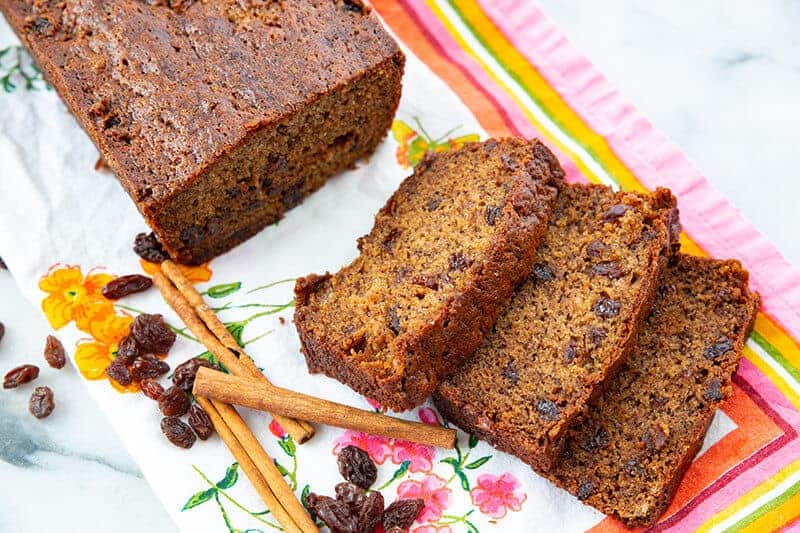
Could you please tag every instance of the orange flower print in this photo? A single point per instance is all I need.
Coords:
(196, 274)
(412, 145)
(71, 296)
(92, 356)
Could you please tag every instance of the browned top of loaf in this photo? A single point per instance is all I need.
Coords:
(170, 89)
(569, 324)
(444, 225)
(627, 457)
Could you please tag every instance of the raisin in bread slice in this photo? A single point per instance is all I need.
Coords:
(569, 325)
(434, 272)
(629, 454)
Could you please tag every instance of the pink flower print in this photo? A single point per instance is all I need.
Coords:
(377, 447)
(432, 528)
(419, 456)
(432, 489)
(375, 405)
(276, 429)
(494, 495)
(428, 416)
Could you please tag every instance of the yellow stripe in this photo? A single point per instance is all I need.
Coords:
(750, 497)
(773, 376)
(778, 339)
(775, 518)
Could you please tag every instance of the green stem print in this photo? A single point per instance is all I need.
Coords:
(221, 489)
(398, 474)
(449, 520)
(460, 464)
(288, 446)
(17, 66)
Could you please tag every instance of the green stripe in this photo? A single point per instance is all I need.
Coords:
(764, 509)
(538, 101)
(776, 355)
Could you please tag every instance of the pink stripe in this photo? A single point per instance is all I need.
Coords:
(706, 215)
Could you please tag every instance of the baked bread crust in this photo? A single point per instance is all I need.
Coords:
(490, 200)
(217, 117)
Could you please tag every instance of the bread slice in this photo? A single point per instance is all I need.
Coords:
(569, 325)
(628, 456)
(434, 272)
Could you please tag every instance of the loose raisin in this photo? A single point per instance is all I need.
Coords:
(547, 409)
(357, 467)
(394, 320)
(459, 261)
(151, 388)
(124, 285)
(185, 372)
(615, 212)
(351, 495)
(147, 247)
(152, 333)
(128, 349)
(119, 372)
(20, 375)
(605, 307)
(543, 272)
(335, 514)
(41, 403)
(178, 432)
(148, 366)
(721, 345)
(200, 422)
(609, 269)
(371, 512)
(402, 513)
(492, 214)
(174, 402)
(54, 352)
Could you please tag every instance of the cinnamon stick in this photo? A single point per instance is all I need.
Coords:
(236, 365)
(256, 394)
(258, 466)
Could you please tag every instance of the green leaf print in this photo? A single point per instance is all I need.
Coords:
(287, 445)
(464, 481)
(478, 463)
(473, 441)
(16, 67)
(223, 290)
(231, 476)
(199, 498)
(280, 468)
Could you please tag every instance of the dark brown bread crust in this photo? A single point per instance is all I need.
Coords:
(535, 432)
(219, 116)
(406, 368)
(629, 454)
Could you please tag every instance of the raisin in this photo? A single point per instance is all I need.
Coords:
(173, 402)
(510, 372)
(152, 333)
(40, 26)
(595, 248)
(605, 307)
(390, 239)
(394, 320)
(433, 203)
(148, 366)
(492, 213)
(351, 495)
(357, 467)
(200, 422)
(128, 349)
(147, 247)
(2, 330)
(655, 439)
(119, 372)
(402, 513)
(585, 490)
(371, 512)
(571, 351)
(543, 272)
(615, 212)
(178, 432)
(335, 514)
(151, 388)
(633, 467)
(3, 264)
(124, 285)
(459, 261)
(714, 391)
(721, 345)
(185, 372)
(41, 403)
(509, 162)
(597, 335)
(54, 352)
(20, 375)
(426, 280)
(597, 440)
(609, 269)
(356, 6)
(547, 409)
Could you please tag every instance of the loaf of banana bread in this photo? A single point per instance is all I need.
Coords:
(569, 325)
(434, 272)
(218, 116)
(629, 454)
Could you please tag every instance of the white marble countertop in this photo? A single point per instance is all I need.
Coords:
(720, 78)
